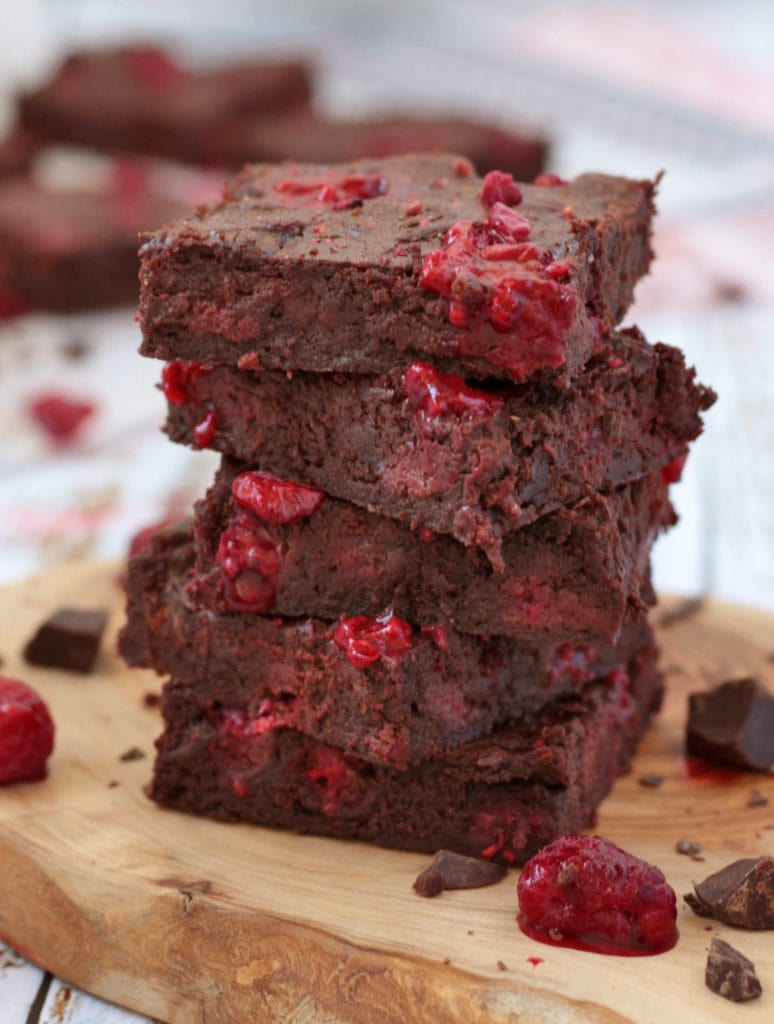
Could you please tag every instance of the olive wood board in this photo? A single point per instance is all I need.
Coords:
(197, 922)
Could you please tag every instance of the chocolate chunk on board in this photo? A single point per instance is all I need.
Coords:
(731, 974)
(448, 870)
(69, 639)
(733, 725)
(740, 894)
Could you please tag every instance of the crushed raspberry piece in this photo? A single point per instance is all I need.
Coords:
(462, 168)
(494, 282)
(154, 67)
(177, 381)
(673, 471)
(437, 394)
(26, 733)
(438, 635)
(204, 431)
(61, 417)
(413, 208)
(570, 663)
(338, 193)
(336, 777)
(365, 640)
(273, 500)
(548, 181)
(249, 563)
(586, 893)
(500, 187)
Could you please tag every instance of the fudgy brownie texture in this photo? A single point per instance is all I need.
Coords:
(501, 797)
(353, 268)
(574, 575)
(140, 99)
(306, 137)
(70, 250)
(425, 448)
(446, 688)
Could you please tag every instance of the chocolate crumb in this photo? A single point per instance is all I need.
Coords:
(733, 725)
(730, 292)
(112, 784)
(501, 966)
(757, 799)
(651, 781)
(688, 847)
(68, 639)
(132, 754)
(685, 610)
(151, 700)
(449, 870)
(740, 894)
(471, 932)
(446, 960)
(730, 974)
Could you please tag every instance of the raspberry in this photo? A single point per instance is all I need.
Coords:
(439, 395)
(273, 500)
(365, 640)
(249, 563)
(26, 733)
(338, 193)
(500, 187)
(177, 380)
(204, 430)
(548, 181)
(586, 893)
(154, 67)
(59, 416)
(673, 471)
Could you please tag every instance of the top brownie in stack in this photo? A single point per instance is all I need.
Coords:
(372, 265)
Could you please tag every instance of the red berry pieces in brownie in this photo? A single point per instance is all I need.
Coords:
(273, 500)
(204, 431)
(61, 417)
(365, 640)
(548, 180)
(177, 379)
(439, 395)
(673, 471)
(499, 187)
(26, 733)
(154, 67)
(336, 192)
(586, 893)
(249, 563)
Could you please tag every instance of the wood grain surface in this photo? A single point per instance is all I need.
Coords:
(195, 922)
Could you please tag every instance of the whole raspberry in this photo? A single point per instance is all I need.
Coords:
(586, 893)
(26, 733)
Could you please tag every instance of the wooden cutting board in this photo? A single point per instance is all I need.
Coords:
(195, 922)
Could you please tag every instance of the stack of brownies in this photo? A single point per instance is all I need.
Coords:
(412, 608)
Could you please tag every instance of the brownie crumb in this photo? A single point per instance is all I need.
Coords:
(501, 966)
(733, 725)
(446, 961)
(757, 799)
(151, 700)
(651, 781)
(685, 610)
(740, 894)
(728, 292)
(449, 870)
(132, 754)
(731, 974)
(68, 639)
(688, 847)
(112, 784)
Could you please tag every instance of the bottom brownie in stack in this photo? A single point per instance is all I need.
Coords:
(487, 746)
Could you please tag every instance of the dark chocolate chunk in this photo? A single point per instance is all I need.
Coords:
(69, 639)
(132, 754)
(731, 974)
(733, 725)
(449, 870)
(651, 781)
(740, 894)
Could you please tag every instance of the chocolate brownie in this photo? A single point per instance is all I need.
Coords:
(501, 797)
(574, 575)
(426, 448)
(368, 266)
(444, 689)
(141, 99)
(17, 150)
(307, 137)
(71, 250)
